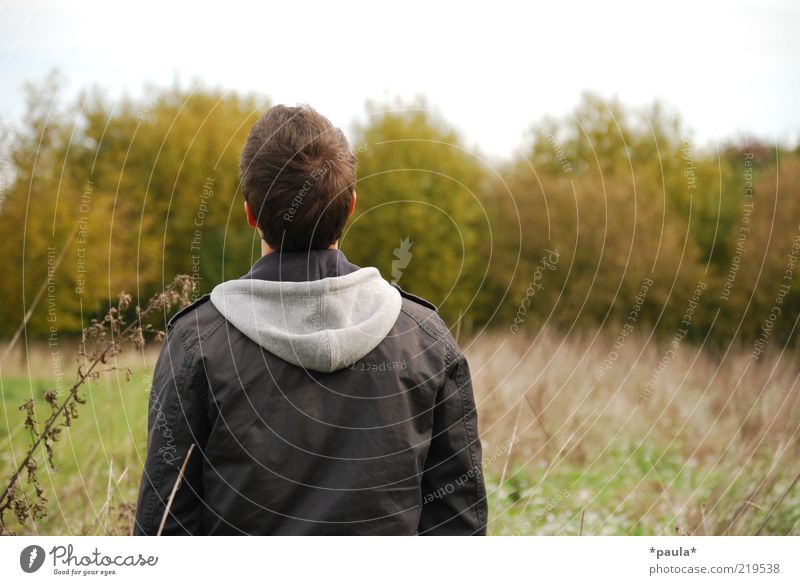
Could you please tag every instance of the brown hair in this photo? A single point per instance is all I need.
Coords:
(298, 176)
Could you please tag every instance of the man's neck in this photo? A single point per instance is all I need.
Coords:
(266, 249)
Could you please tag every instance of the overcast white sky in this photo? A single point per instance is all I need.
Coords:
(492, 67)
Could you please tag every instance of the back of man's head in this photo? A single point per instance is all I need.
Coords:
(298, 176)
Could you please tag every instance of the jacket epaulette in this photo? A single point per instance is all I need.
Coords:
(187, 309)
(415, 298)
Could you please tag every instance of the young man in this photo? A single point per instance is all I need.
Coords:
(316, 397)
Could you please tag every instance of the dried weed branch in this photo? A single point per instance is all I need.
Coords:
(107, 336)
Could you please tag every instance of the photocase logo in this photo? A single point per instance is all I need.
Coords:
(31, 558)
(402, 258)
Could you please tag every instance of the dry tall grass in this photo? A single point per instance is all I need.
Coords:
(711, 448)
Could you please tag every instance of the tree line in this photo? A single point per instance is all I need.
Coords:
(611, 217)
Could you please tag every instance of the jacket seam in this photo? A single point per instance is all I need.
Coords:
(207, 401)
(210, 331)
(471, 439)
(189, 354)
(438, 336)
(213, 329)
(186, 310)
(451, 356)
(180, 382)
(422, 325)
(441, 339)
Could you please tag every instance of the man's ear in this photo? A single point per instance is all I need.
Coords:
(352, 204)
(250, 219)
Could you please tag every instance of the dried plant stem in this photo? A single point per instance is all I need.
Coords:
(109, 333)
(777, 504)
(511, 446)
(113, 483)
(54, 417)
(174, 490)
(547, 435)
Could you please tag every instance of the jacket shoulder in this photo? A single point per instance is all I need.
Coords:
(414, 298)
(186, 310)
(196, 321)
(424, 317)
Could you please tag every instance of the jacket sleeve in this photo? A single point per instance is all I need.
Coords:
(177, 418)
(453, 492)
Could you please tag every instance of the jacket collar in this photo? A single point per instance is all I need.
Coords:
(301, 266)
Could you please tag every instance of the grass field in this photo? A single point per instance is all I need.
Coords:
(713, 448)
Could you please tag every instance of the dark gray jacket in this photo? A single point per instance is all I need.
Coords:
(320, 400)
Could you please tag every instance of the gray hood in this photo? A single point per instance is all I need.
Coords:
(322, 325)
